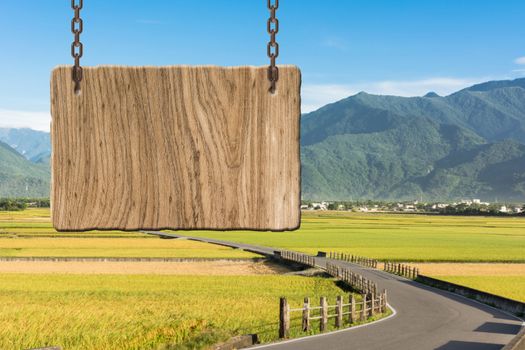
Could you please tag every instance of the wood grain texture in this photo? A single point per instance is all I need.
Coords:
(175, 147)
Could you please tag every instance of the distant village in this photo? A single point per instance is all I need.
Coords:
(464, 206)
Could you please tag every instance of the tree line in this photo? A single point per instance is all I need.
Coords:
(17, 204)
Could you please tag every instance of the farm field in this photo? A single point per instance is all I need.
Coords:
(194, 268)
(116, 305)
(507, 280)
(398, 237)
(512, 287)
(394, 237)
(144, 311)
(136, 305)
(115, 247)
(29, 233)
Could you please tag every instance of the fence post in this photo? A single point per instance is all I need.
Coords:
(384, 301)
(363, 308)
(324, 314)
(351, 316)
(339, 312)
(284, 318)
(306, 315)
(373, 305)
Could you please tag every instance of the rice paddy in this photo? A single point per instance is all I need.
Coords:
(140, 306)
(87, 312)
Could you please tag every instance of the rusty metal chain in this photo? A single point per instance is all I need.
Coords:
(273, 46)
(77, 49)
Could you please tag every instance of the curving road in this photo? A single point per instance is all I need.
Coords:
(426, 318)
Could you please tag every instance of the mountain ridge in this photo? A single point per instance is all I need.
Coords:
(468, 144)
(485, 115)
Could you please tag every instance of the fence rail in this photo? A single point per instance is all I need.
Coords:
(343, 313)
(298, 257)
(401, 270)
(361, 260)
(355, 280)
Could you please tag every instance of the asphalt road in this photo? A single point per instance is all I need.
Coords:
(426, 318)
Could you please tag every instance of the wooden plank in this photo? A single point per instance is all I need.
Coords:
(175, 147)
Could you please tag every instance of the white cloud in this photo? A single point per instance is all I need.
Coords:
(336, 43)
(315, 96)
(25, 119)
(520, 60)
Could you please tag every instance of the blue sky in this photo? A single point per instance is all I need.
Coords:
(399, 47)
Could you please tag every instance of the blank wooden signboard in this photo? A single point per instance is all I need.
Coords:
(175, 147)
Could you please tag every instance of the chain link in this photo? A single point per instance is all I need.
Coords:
(77, 49)
(273, 46)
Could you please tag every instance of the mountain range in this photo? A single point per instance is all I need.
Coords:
(470, 144)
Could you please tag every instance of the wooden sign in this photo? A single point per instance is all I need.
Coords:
(175, 147)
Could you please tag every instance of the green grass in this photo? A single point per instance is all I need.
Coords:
(398, 237)
(145, 311)
(512, 287)
(409, 238)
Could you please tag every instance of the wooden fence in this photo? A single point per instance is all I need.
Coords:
(298, 257)
(402, 270)
(355, 280)
(361, 260)
(343, 313)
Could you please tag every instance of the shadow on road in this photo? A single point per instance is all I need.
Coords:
(466, 345)
(501, 328)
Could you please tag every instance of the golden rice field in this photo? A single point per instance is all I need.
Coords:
(147, 309)
(115, 247)
(512, 287)
(398, 237)
(507, 280)
(30, 233)
(88, 312)
(394, 237)
(135, 305)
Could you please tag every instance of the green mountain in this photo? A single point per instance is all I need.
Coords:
(19, 177)
(33, 145)
(468, 144)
